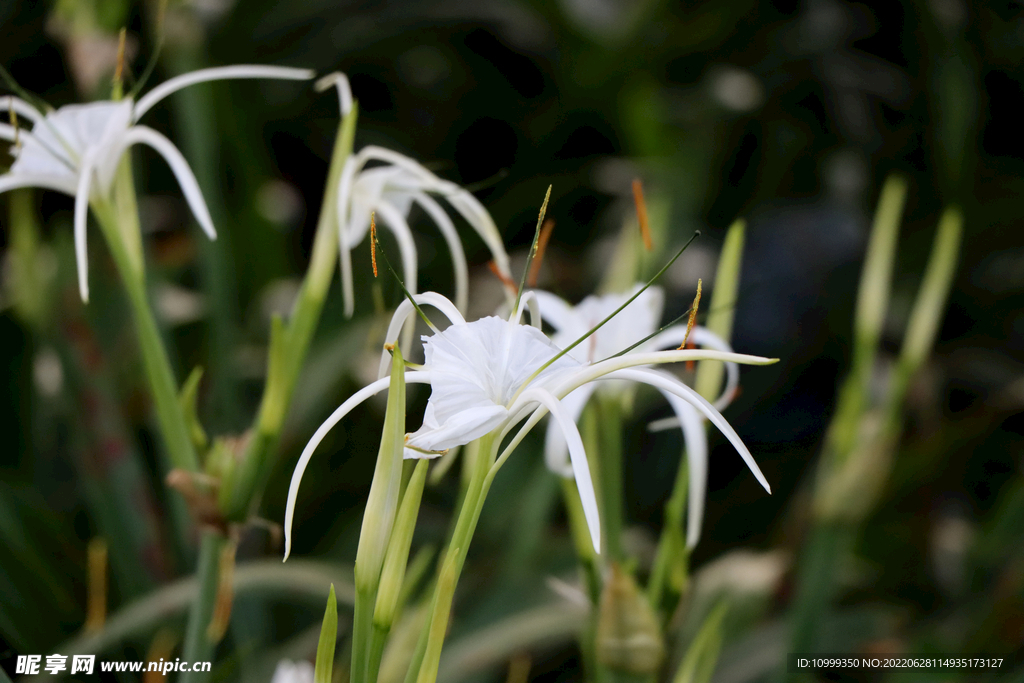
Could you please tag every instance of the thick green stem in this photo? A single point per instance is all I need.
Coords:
(198, 647)
(162, 383)
(432, 637)
(362, 625)
(288, 350)
(610, 453)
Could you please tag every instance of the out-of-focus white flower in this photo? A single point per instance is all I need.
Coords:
(288, 671)
(488, 375)
(636, 322)
(77, 149)
(390, 190)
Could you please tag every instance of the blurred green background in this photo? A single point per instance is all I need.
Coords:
(790, 114)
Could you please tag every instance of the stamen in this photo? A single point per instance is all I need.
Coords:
(505, 279)
(405, 292)
(423, 450)
(14, 124)
(373, 241)
(118, 85)
(161, 12)
(542, 244)
(690, 364)
(533, 248)
(641, 214)
(693, 317)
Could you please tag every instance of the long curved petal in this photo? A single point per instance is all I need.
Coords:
(528, 300)
(696, 439)
(701, 336)
(340, 412)
(21, 108)
(700, 403)
(451, 237)
(339, 81)
(81, 223)
(218, 73)
(186, 179)
(348, 172)
(578, 456)
(555, 447)
(405, 311)
(13, 181)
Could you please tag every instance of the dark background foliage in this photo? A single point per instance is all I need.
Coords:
(791, 114)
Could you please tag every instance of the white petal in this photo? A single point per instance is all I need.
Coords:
(703, 337)
(81, 222)
(339, 81)
(578, 456)
(451, 237)
(344, 255)
(13, 181)
(696, 439)
(697, 401)
(459, 429)
(180, 168)
(405, 311)
(555, 449)
(20, 107)
(218, 73)
(412, 377)
(528, 300)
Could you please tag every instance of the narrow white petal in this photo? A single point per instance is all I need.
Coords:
(336, 417)
(81, 222)
(696, 439)
(697, 401)
(451, 237)
(218, 73)
(13, 181)
(344, 255)
(528, 300)
(20, 107)
(578, 456)
(555, 449)
(339, 81)
(186, 179)
(480, 220)
(405, 311)
(701, 336)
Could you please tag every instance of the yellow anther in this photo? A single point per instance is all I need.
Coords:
(641, 214)
(693, 316)
(542, 244)
(373, 242)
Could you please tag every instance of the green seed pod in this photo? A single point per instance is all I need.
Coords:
(628, 637)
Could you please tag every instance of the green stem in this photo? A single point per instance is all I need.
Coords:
(610, 454)
(430, 642)
(162, 383)
(362, 625)
(288, 350)
(198, 647)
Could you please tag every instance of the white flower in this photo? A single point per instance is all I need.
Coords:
(288, 671)
(390, 191)
(488, 375)
(76, 149)
(634, 323)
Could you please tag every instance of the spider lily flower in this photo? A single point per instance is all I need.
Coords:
(76, 149)
(390, 191)
(486, 376)
(636, 322)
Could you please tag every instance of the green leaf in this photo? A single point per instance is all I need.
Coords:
(328, 637)
(188, 396)
(722, 309)
(699, 662)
